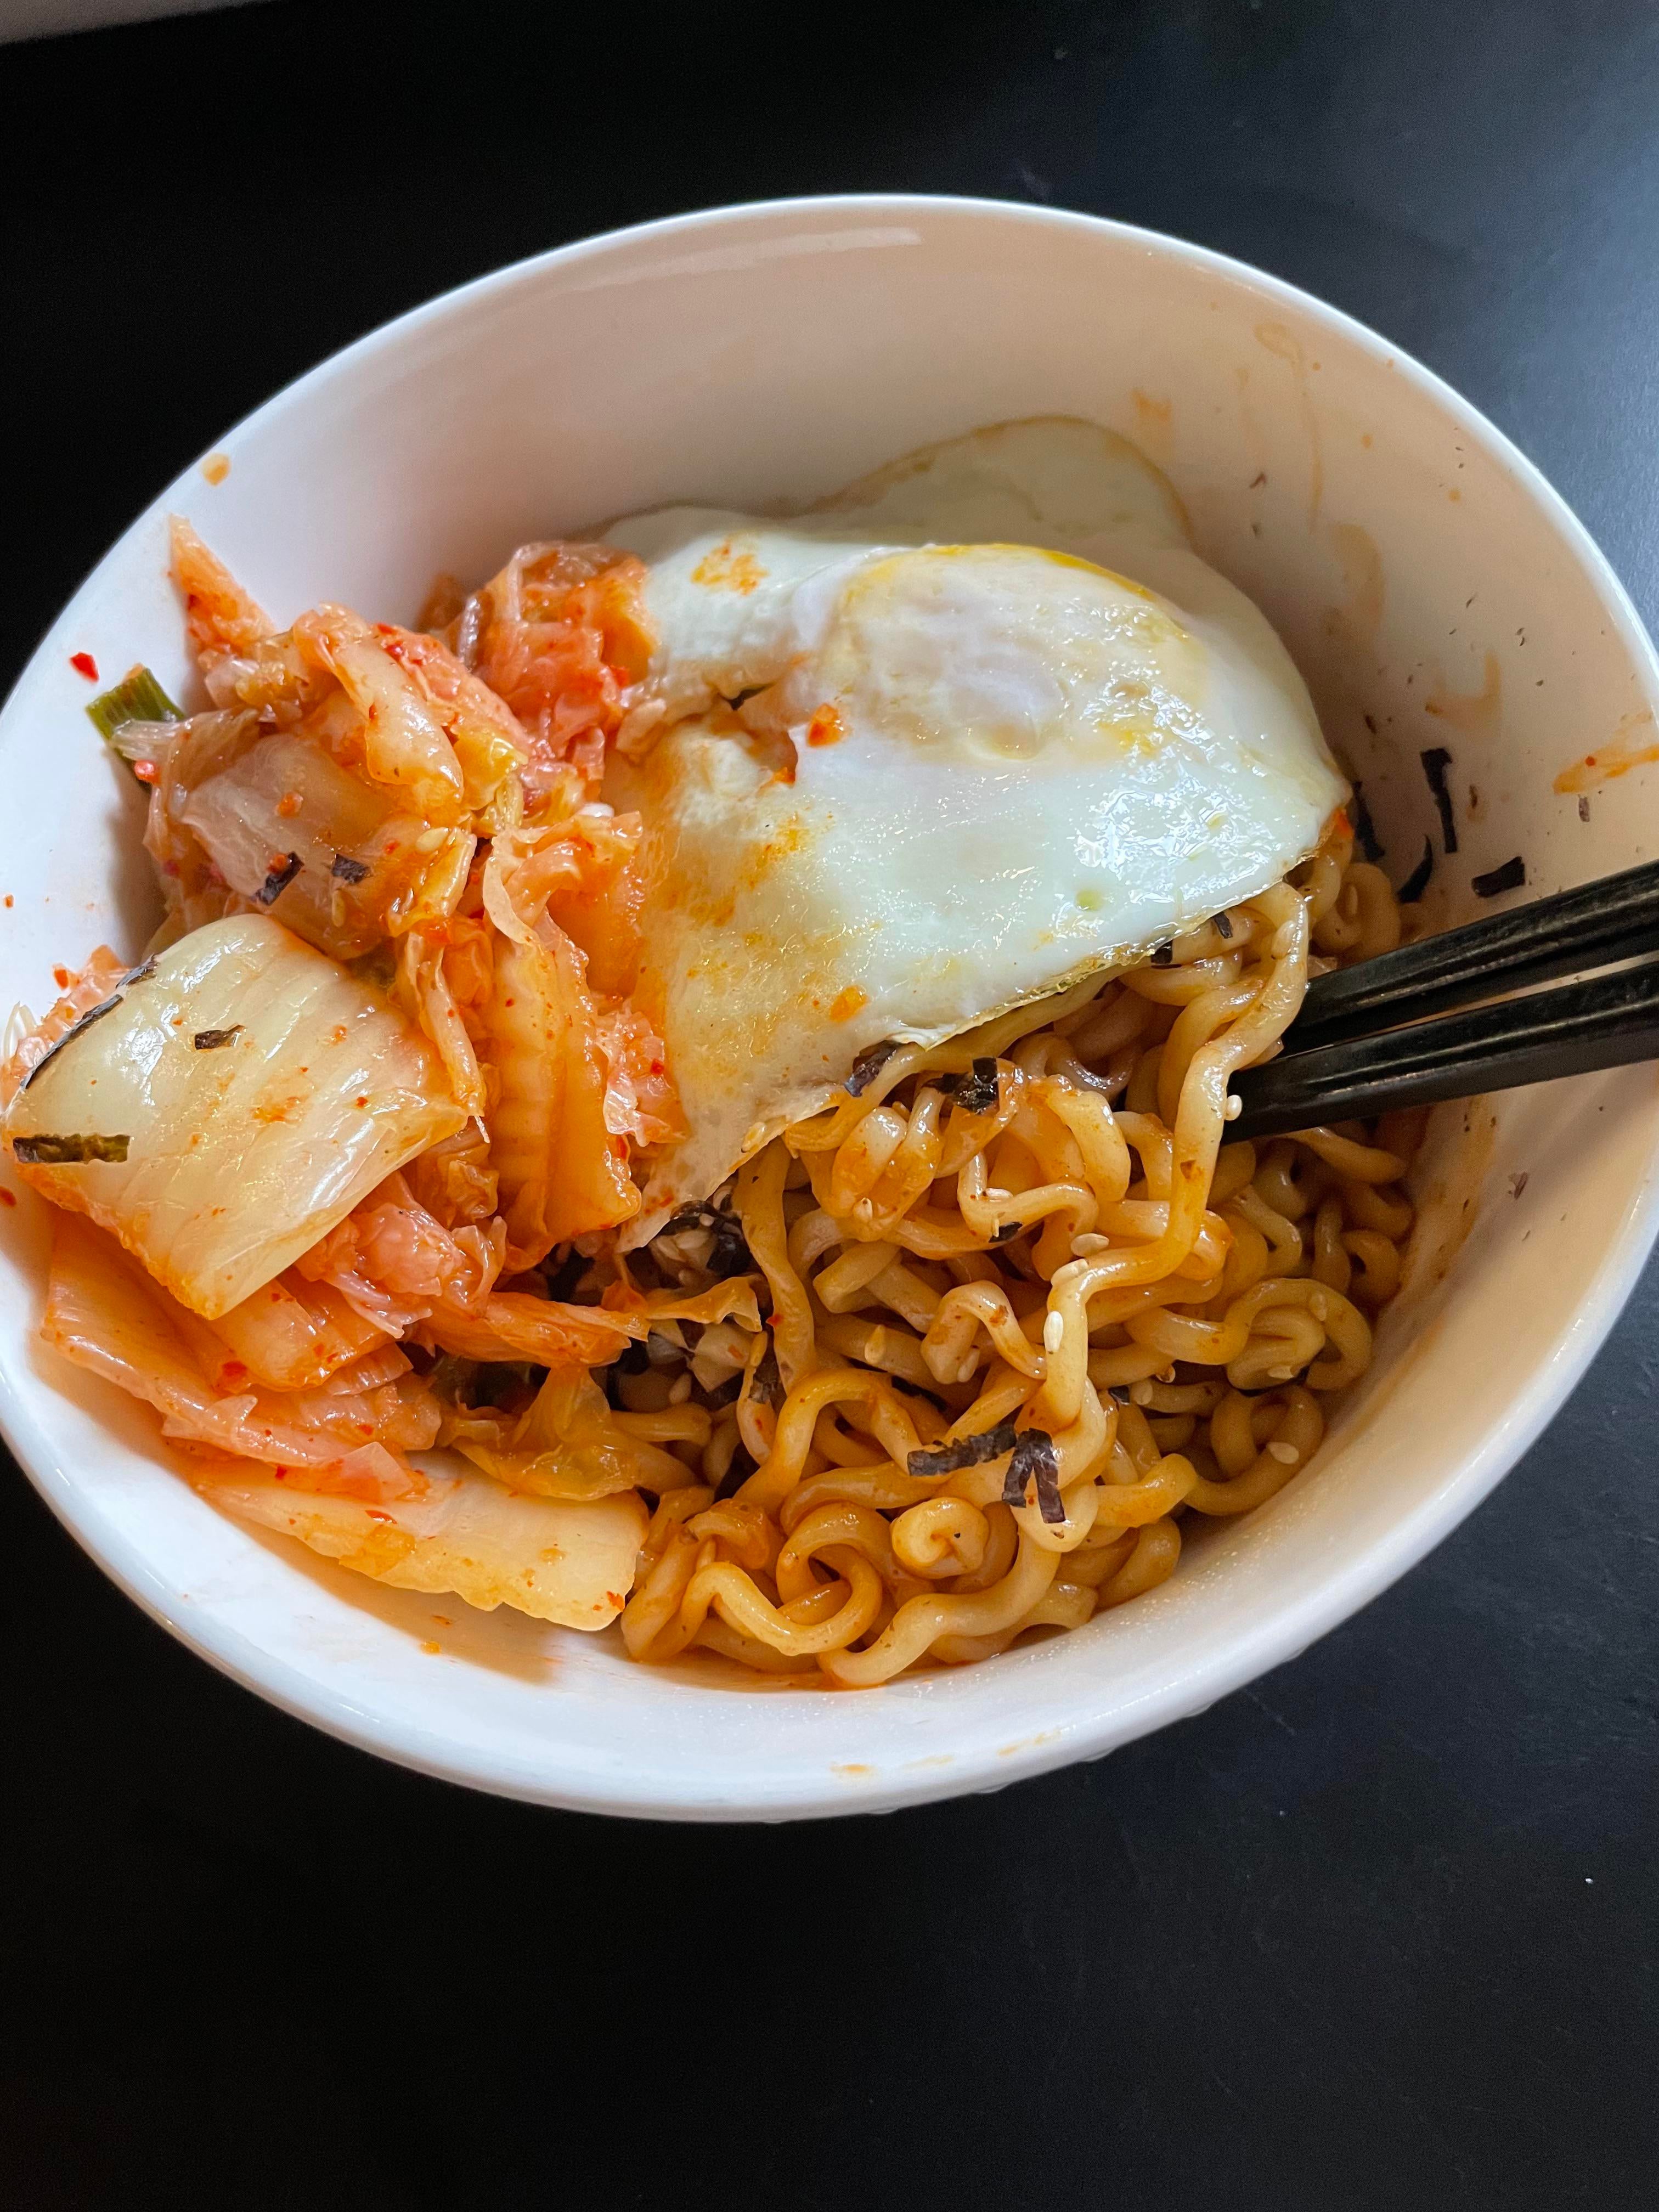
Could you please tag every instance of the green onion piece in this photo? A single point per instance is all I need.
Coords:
(136, 698)
(378, 968)
(69, 1152)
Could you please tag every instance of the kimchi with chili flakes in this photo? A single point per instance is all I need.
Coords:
(690, 1087)
(380, 1074)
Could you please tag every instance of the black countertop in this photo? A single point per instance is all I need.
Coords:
(1378, 1930)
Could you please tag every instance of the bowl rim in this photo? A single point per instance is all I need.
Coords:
(1279, 1636)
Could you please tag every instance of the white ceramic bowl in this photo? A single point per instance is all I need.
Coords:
(1435, 591)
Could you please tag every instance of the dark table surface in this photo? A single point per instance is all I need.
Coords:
(1379, 1930)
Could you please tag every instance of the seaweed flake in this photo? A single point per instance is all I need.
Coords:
(278, 880)
(869, 1065)
(766, 1383)
(212, 1040)
(975, 1093)
(145, 967)
(1416, 882)
(1509, 878)
(729, 1253)
(1436, 761)
(92, 1014)
(70, 1150)
(1165, 953)
(1364, 830)
(345, 870)
(1222, 924)
(1034, 1455)
(1006, 1231)
(967, 1451)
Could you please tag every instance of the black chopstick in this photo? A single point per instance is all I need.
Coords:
(1609, 1021)
(1589, 927)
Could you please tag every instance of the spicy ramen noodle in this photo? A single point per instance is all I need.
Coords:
(1028, 1313)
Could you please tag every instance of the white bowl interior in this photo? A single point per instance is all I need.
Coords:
(1434, 591)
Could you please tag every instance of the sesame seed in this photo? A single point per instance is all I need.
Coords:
(1281, 1374)
(1286, 1455)
(679, 1391)
(1234, 1108)
(1318, 1308)
(1140, 1393)
(1083, 1246)
(1053, 1332)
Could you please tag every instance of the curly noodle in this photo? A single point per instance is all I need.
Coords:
(1027, 1315)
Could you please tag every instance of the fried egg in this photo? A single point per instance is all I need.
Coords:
(980, 726)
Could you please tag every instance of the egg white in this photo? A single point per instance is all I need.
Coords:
(979, 727)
